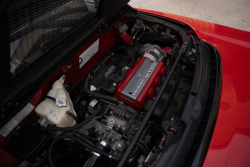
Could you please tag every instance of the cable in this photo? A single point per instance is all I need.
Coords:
(132, 62)
(133, 56)
(79, 141)
(97, 95)
(54, 128)
(72, 116)
(51, 98)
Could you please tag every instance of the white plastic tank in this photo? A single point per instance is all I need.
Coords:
(53, 109)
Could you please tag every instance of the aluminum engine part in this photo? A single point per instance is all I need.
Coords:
(110, 123)
(116, 123)
(153, 52)
(113, 139)
(107, 133)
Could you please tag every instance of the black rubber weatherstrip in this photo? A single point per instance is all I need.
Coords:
(149, 113)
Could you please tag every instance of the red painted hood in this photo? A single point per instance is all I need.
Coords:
(230, 145)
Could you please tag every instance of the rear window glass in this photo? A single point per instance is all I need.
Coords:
(35, 26)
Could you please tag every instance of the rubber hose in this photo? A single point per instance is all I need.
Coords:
(133, 153)
(54, 128)
(87, 137)
(142, 149)
(145, 131)
(98, 95)
(144, 145)
(73, 116)
(79, 141)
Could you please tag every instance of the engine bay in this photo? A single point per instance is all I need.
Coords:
(125, 107)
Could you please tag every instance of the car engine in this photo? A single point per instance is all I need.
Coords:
(126, 108)
(132, 83)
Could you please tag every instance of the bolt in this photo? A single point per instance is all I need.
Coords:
(114, 84)
(183, 67)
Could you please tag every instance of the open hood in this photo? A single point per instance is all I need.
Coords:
(33, 30)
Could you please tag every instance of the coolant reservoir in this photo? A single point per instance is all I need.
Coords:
(57, 102)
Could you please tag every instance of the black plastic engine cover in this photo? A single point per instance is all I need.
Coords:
(109, 73)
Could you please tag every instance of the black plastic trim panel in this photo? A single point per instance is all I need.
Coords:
(195, 141)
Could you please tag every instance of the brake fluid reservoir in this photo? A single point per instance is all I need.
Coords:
(57, 102)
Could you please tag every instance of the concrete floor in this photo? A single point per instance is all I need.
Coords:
(232, 13)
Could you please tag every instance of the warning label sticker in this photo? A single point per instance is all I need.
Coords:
(89, 53)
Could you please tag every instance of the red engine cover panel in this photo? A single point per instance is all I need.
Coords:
(148, 90)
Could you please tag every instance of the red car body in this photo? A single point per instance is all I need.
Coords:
(230, 144)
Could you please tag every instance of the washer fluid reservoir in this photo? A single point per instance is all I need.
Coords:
(53, 109)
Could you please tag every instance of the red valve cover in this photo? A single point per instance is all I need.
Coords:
(137, 80)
